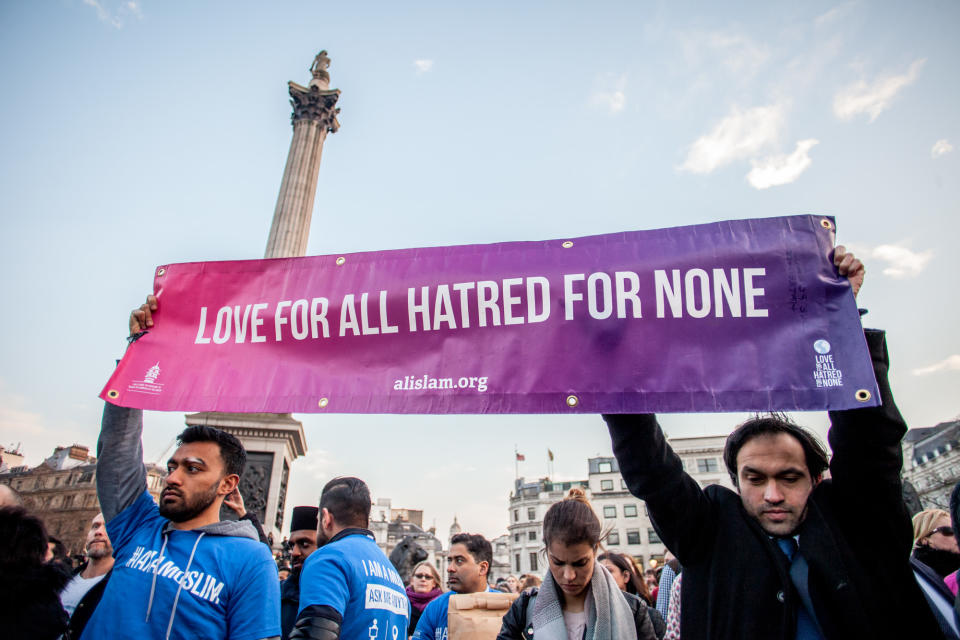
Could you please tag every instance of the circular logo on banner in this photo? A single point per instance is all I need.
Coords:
(821, 346)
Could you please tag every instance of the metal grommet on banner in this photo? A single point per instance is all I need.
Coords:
(323, 403)
(113, 394)
(567, 244)
(826, 224)
(862, 395)
(572, 401)
(340, 261)
(161, 271)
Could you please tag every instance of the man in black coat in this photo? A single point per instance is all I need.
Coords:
(303, 542)
(791, 555)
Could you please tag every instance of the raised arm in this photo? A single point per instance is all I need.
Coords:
(121, 477)
(867, 443)
(678, 507)
(867, 455)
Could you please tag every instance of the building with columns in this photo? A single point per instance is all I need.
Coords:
(529, 502)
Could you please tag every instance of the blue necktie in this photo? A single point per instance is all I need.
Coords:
(806, 626)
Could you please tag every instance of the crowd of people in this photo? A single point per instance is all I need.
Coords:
(806, 546)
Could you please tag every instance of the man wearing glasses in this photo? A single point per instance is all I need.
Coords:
(936, 557)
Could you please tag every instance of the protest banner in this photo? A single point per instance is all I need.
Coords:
(727, 316)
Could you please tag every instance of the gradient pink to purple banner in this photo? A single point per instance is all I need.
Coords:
(728, 316)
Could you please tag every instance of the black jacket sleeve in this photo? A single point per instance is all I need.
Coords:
(681, 512)
(659, 625)
(317, 622)
(255, 521)
(868, 459)
(643, 618)
(514, 625)
(85, 608)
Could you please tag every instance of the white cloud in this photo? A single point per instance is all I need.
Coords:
(940, 148)
(901, 262)
(950, 363)
(423, 65)
(115, 18)
(742, 134)
(610, 93)
(782, 169)
(739, 54)
(873, 98)
(102, 13)
(896, 261)
(833, 14)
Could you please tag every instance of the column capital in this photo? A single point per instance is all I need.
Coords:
(315, 104)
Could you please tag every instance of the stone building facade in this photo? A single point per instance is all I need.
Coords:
(931, 462)
(624, 518)
(62, 491)
(501, 567)
(529, 502)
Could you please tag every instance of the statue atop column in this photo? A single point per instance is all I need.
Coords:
(316, 101)
(321, 78)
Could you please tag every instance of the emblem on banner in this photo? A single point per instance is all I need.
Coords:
(149, 383)
(826, 373)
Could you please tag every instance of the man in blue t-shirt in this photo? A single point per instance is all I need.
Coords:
(348, 588)
(468, 563)
(179, 572)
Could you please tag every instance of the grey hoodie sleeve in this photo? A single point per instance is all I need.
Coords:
(121, 476)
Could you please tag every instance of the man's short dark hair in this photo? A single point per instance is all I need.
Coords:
(348, 501)
(232, 453)
(771, 425)
(478, 546)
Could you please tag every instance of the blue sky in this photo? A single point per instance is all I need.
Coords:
(141, 133)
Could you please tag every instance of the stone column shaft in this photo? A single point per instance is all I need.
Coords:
(314, 115)
(274, 441)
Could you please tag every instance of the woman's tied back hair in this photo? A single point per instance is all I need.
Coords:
(572, 521)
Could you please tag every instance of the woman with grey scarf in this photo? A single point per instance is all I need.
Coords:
(579, 599)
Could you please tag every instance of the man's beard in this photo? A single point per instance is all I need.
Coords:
(99, 551)
(190, 506)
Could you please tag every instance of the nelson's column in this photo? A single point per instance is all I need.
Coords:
(274, 441)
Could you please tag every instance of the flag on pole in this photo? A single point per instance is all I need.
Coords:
(521, 457)
(550, 455)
